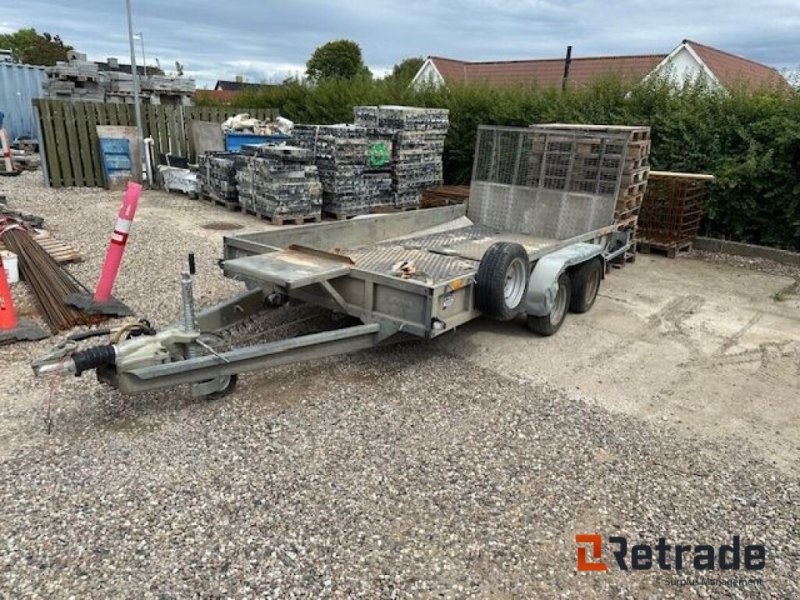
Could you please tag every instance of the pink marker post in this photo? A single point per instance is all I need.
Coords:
(116, 248)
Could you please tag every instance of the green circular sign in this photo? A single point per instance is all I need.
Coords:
(378, 155)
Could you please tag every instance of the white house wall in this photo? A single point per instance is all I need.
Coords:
(427, 75)
(682, 66)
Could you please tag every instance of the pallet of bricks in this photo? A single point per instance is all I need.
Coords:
(417, 136)
(353, 181)
(671, 211)
(279, 183)
(635, 157)
(216, 174)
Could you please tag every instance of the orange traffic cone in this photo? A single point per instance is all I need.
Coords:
(8, 317)
(10, 327)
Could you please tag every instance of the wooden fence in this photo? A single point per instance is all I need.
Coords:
(68, 134)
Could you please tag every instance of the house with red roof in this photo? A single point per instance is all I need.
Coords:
(690, 61)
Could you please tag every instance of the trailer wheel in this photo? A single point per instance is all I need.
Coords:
(549, 324)
(585, 285)
(225, 384)
(502, 281)
(228, 386)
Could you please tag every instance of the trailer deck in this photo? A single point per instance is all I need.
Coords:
(450, 251)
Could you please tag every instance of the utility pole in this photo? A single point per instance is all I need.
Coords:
(137, 173)
(140, 35)
(567, 64)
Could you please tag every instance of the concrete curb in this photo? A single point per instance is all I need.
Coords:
(739, 249)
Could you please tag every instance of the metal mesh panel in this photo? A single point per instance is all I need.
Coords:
(545, 183)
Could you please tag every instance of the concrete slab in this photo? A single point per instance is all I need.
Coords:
(711, 348)
(206, 136)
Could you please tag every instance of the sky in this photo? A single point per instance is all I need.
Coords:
(269, 40)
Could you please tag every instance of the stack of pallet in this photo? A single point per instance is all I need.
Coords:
(158, 89)
(671, 211)
(75, 79)
(217, 176)
(445, 195)
(417, 136)
(351, 185)
(632, 187)
(279, 183)
(633, 152)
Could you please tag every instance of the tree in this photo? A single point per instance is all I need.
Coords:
(30, 47)
(339, 59)
(179, 68)
(404, 71)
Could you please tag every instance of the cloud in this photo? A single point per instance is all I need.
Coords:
(272, 40)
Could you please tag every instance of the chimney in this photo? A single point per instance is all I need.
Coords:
(567, 62)
(240, 79)
(113, 64)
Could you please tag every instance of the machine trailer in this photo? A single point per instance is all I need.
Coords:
(533, 240)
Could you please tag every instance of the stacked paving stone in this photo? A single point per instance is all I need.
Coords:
(78, 79)
(353, 167)
(217, 176)
(280, 183)
(156, 88)
(75, 79)
(417, 145)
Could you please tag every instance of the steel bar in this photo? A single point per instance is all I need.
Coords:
(273, 354)
(48, 281)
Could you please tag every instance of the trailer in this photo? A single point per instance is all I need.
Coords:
(533, 241)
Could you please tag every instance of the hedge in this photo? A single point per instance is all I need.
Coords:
(749, 139)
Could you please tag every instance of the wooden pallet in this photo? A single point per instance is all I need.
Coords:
(444, 195)
(231, 205)
(381, 210)
(635, 133)
(629, 256)
(671, 250)
(634, 164)
(62, 252)
(633, 190)
(627, 222)
(634, 177)
(627, 202)
(638, 150)
(339, 216)
(284, 219)
(627, 213)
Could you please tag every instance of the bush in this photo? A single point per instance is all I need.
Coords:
(749, 140)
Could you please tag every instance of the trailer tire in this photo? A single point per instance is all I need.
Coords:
(549, 324)
(502, 281)
(585, 285)
(229, 386)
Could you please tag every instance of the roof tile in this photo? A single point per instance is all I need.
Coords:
(545, 72)
(732, 70)
(728, 68)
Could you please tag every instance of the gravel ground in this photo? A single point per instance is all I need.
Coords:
(403, 472)
(764, 265)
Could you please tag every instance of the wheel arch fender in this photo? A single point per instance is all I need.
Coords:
(543, 283)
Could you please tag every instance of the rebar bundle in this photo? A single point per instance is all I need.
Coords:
(49, 282)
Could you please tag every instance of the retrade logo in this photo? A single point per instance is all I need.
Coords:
(596, 542)
(642, 557)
